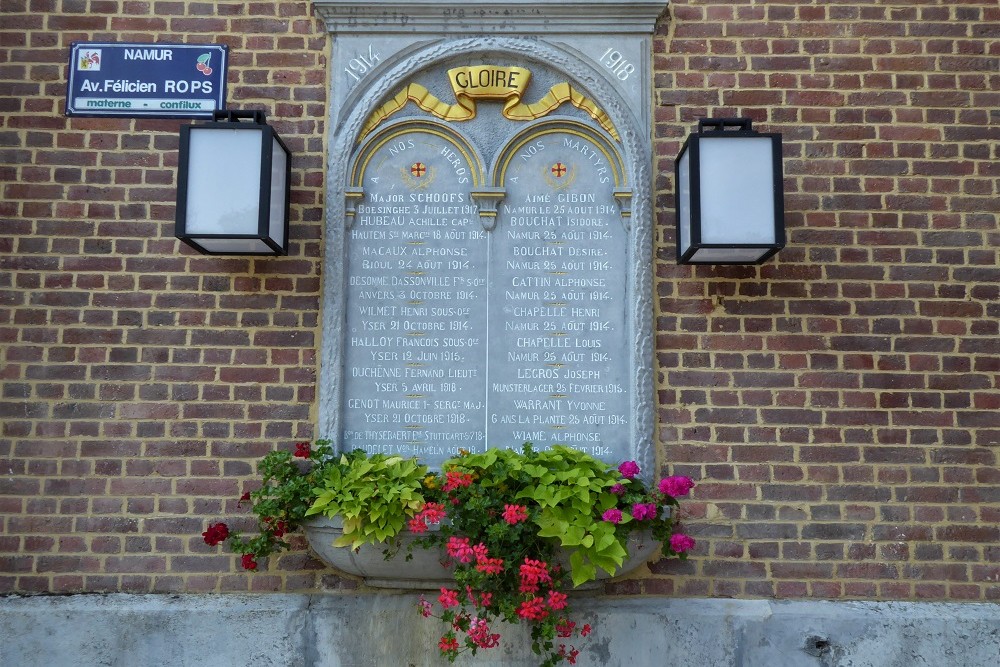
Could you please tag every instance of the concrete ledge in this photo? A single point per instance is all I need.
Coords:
(384, 629)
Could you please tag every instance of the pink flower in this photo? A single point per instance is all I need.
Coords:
(643, 511)
(216, 534)
(629, 469)
(302, 450)
(248, 562)
(680, 542)
(448, 598)
(613, 515)
(675, 486)
(425, 607)
(514, 514)
(557, 600)
(485, 599)
(458, 547)
(618, 489)
(479, 633)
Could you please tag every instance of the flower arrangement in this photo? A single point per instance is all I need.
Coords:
(520, 528)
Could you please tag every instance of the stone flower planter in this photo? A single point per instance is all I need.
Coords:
(425, 570)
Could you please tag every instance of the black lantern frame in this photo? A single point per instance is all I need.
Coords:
(725, 215)
(220, 213)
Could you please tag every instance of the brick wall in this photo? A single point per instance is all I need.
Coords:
(839, 404)
(140, 379)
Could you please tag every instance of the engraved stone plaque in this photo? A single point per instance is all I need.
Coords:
(489, 239)
(486, 316)
(416, 301)
(558, 359)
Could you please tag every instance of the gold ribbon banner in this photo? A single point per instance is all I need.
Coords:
(488, 82)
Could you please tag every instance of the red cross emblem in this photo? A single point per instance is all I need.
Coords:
(558, 169)
(418, 169)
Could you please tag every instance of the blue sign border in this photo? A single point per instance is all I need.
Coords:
(140, 80)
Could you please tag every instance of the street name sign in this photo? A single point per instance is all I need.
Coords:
(146, 80)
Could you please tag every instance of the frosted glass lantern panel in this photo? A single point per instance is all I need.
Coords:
(684, 199)
(223, 195)
(737, 176)
(279, 176)
(728, 255)
(214, 245)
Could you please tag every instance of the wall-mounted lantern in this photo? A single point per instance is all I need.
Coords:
(233, 186)
(730, 194)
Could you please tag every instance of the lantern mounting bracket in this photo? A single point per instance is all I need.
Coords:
(235, 115)
(721, 124)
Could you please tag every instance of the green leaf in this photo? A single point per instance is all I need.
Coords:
(573, 536)
(604, 541)
(580, 571)
(343, 541)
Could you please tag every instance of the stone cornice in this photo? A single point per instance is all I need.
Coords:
(516, 17)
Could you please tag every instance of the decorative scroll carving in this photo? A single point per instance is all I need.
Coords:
(491, 82)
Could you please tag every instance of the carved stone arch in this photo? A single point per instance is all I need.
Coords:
(572, 126)
(405, 127)
(388, 132)
(634, 148)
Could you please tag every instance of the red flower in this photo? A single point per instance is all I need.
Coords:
(429, 513)
(279, 529)
(458, 547)
(448, 645)
(480, 552)
(585, 630)
(417, 525)
(490, 565)
(216, 534)
(557, 600)
(565, 627)
(448, 598)
(533, 609)
(245, 497)
(455, 480)
(248, 562)
(302, 450)
(571, 656)
(514, 514)
(533, 573)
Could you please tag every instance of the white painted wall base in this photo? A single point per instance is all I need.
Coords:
(385, 630)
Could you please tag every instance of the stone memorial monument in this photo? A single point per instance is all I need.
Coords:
(488, 249)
